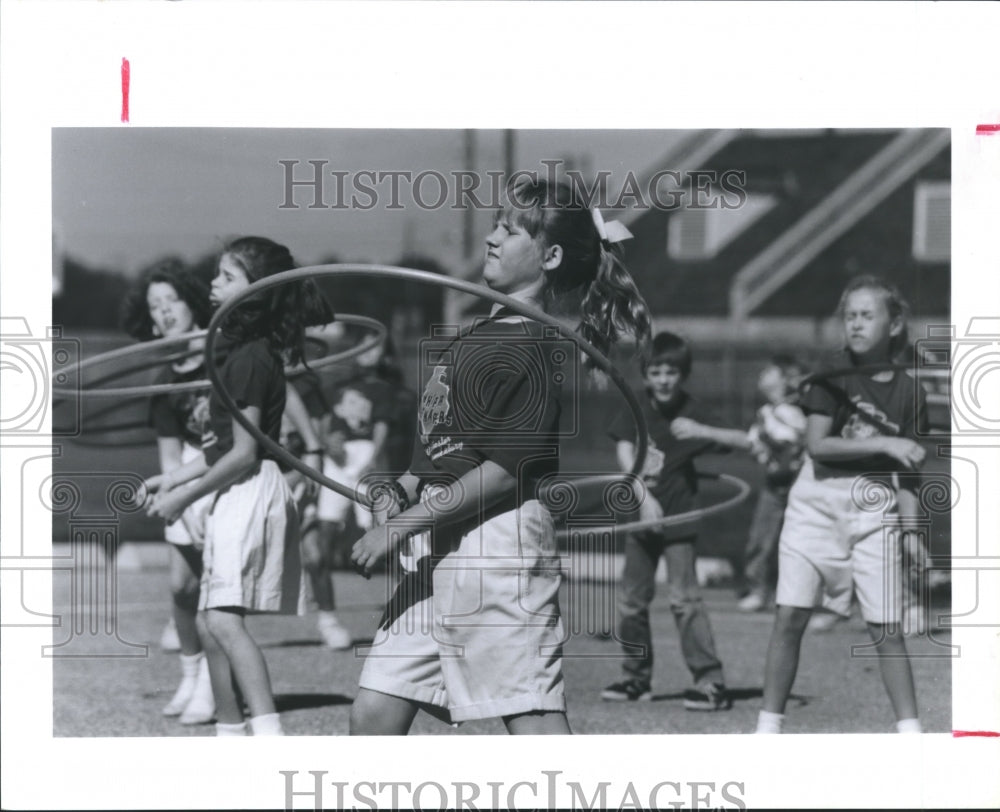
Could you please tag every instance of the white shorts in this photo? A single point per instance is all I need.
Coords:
(479, 634)
(332, 506)
(252, 547)
(190, 527)
(831, 546)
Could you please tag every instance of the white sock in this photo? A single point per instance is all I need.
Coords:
(200, 708)
(190, 664)
(768, 722)
(222, 729)
(908, 726)
(268, 724)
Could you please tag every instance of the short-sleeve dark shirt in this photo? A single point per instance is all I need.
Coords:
(669, 472)
(254, 375)
(183, 415)
(491, 393)
(862, 407)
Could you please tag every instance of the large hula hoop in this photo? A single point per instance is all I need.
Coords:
(743, 490)
(379, 333)
(392, 272)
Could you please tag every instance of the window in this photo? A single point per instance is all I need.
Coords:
(694, 234)
(932, 221)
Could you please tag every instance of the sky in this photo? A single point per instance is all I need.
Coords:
(124, 197)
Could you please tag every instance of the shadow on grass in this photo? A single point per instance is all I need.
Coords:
(737, 695)
(291, 702)
(310, 643)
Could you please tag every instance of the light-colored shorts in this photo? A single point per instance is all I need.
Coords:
(252, 547)
(478, 632)
(836, 541)
(190, 527)
(332, 506)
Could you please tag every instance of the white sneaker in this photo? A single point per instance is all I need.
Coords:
(824, 622)
(169, 641)
(189, 678)
(200, 709)
(754, 602)
(334, 635)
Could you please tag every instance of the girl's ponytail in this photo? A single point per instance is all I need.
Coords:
(612, 306)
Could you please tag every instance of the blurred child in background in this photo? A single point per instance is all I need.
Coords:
(777, 441)
(671, 481)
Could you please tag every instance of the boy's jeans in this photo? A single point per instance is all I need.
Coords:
(642, 554)
(761, 556)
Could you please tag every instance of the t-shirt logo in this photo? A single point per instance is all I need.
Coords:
(860, 428)
(435, 405)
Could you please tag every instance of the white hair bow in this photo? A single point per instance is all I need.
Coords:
(610, 232)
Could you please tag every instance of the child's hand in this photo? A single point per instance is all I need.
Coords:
(650, 509)
(169, 505)
(371, 548)
(684, 428)
(911, 454)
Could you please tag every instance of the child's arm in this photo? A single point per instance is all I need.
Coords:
(649, 508)
(826, 448)
(299, 417)
(468, 497)
(232, 465)
(684, 428)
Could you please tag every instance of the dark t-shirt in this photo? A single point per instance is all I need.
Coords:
(669, 471)
(254, 375)
(861, 407)
(491, 394)
(183, 415)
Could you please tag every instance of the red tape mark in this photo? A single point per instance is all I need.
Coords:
(125, 83)
(986, 734)
(987, 129)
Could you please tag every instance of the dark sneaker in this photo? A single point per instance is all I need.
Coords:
(629, 690)
(712, 696)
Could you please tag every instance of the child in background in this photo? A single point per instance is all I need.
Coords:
(859, 436)
(671, 482)
(777, 440)
(354, 432)
(170, 301)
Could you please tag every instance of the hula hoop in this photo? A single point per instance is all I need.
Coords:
(843, 372)
(379, 333)
(743, 490)
(392, 272)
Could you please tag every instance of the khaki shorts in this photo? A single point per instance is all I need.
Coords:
(478, 632)
(190, 527)
(252, 547)
(333, 506)
(831, 546)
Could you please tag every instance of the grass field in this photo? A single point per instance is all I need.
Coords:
(835, 691)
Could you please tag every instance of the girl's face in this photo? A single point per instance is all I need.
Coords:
(170, 313)
(867, 324)
(229, 281)
(514, 259)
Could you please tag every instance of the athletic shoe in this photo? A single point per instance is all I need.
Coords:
(189, 678)
(169, 641)
(629, 690)
(823, 622)
(710, 696)
(754, 602)
(200, 709)
(334, 635)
